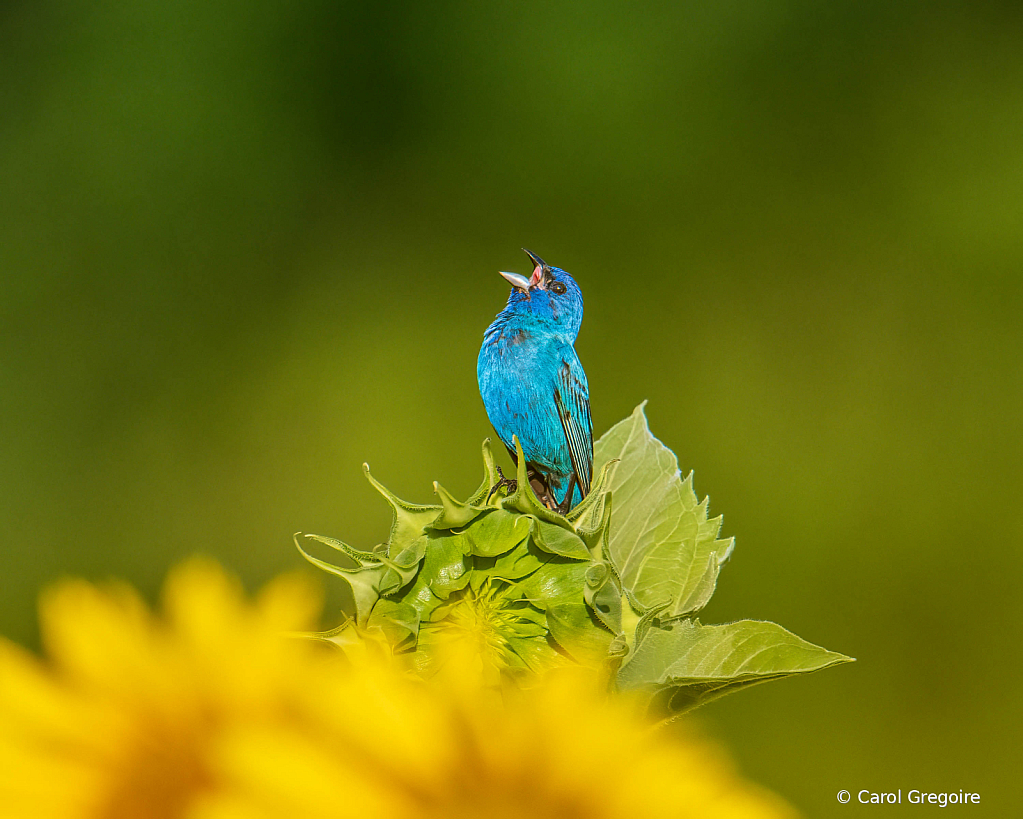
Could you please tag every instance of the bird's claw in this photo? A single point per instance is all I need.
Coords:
(511, 483)
(539, 487)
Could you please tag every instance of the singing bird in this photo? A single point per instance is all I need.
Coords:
(534, 387)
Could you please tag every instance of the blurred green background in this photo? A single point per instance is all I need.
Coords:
(248, 246)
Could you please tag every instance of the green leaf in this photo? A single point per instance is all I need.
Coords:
(496, 532)
(534, 655)
(398, 621)
(558, 541)
(661, 541)
(408, 557)
(574, 628)
(516, 564)
(557, 581)
(687, 664)
(525, 621)
(444, 571)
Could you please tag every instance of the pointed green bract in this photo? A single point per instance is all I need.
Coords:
(612, 585)
(409, 519)
(454, 514)
(490, 477)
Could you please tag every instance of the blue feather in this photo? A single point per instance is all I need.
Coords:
(533, 385)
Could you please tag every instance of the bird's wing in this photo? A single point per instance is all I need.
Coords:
(572, 398)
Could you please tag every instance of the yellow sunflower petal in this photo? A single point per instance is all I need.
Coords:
(208, 712)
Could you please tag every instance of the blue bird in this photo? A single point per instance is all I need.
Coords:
(534, 387)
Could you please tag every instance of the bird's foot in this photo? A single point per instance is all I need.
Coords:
(538, 483)
(510, 483)
(564, 507)
(539, 487)
(543, 494)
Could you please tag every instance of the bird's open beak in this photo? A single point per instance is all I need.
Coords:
(521, 282)
(538, 279)
(540, 270)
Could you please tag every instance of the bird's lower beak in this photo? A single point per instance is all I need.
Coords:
(521, 282)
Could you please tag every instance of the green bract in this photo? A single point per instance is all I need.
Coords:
(530, 589)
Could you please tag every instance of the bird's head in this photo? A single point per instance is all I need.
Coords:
(549, 296)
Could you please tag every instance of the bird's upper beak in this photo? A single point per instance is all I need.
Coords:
(538, 279)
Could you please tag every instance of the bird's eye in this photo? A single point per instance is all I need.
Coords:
(558, 288)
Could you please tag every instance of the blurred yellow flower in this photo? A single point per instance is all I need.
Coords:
(207, 712)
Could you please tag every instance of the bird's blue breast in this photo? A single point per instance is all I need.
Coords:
(518, 369)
